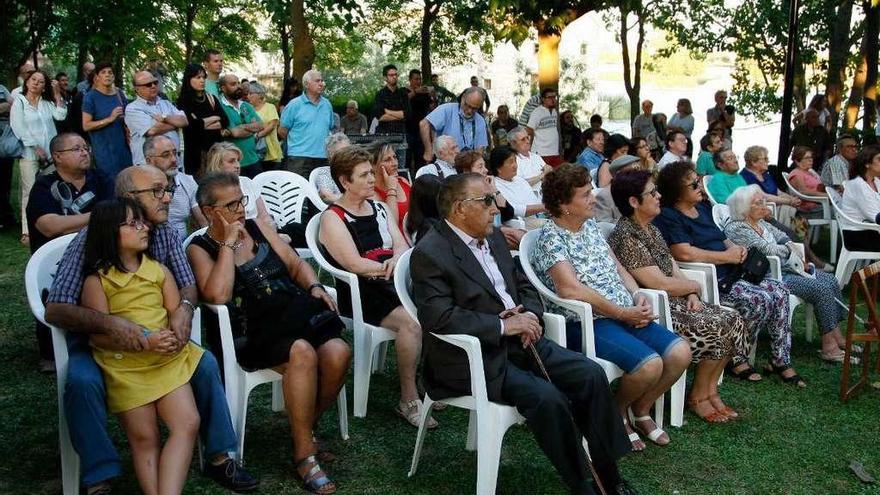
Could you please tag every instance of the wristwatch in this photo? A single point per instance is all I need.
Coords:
(188, 303)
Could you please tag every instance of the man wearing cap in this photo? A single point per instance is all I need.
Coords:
(605, 210)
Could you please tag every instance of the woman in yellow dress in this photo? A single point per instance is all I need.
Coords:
(124, 281)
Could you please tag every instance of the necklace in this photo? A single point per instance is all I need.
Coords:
(234, 246)
(201, 99)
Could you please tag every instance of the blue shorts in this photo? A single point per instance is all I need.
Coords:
(627, 347)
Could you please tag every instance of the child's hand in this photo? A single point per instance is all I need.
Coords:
(164, 342)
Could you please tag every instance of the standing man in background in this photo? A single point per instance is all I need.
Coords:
(543, 126)
(213, 62)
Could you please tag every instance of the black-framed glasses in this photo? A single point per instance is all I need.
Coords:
(487, 199)
(158, 192)
(654, 193)
(148, 84)
(233, 206)
(135, 223)
(76, 149)
(695, 184)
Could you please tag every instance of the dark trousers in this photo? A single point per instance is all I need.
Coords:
(7, 217)
(303, 165)
(252, 170)
(578, 403)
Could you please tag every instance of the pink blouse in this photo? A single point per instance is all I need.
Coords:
(809, 182)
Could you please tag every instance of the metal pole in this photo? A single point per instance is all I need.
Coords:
(787, 95)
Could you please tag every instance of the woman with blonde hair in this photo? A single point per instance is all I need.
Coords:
(226, 157)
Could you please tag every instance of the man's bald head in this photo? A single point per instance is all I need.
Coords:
(128, 179)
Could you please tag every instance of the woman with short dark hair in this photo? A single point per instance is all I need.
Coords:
(361, 237)
(690, 232)
(861, 199)
(715, 334)
(572, 258)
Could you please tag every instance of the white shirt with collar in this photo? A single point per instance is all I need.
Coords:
(139, 120)
(431, 168)
(518, 193)
(670, 157)
(528, 166)
(483, 254)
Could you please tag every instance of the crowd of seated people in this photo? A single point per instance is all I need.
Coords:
(465, 215)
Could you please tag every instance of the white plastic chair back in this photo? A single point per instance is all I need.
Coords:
(827, 214)
(313, 181)
(285, 193)
(367, 338)
(607, 228)
(848, 259)
(38, 276)
(706, 179)
(721, 215)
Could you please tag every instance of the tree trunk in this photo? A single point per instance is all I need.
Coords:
(857, 89)
(632, 76)
(838, 52)
(548, 59)
(429, 15)
(799, 88)
(284, 33)
(188, 31)
(303, 44)
(872, 30)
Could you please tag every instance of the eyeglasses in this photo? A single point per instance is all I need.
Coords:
(149, 84)
(760, 203)
(76, 149)
(487, 200)
(135, 223)
(695, 184)
(158, 192)
(164, 155)
(233, 206)
(654, 193)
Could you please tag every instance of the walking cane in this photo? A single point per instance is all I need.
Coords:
(534, 353)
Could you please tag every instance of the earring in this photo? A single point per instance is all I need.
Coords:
(566, 212)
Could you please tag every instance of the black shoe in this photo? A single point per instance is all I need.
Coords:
(231, 476)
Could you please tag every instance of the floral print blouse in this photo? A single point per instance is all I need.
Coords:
(590, 257)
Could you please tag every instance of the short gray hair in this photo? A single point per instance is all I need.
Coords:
(444, 140)
(516, 133)
(307, 77)
(151, 142)
(222, 79)
(210, 183)
(471, 90)
(257, 88)
(335, 140)
(352, 103)
(740, 201)
(125, 179)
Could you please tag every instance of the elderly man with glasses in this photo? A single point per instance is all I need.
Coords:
(461, 121)
(149, 115)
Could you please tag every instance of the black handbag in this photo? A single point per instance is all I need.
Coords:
(753, 270)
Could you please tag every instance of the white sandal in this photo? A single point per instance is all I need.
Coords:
(654, 434)
(633, 437)
(411, 412)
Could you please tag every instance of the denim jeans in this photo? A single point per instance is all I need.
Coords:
(86, 408)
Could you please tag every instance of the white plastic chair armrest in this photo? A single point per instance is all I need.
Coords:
(699, 277)
(659, 300)
(775, 267)
(471, 346)
(554, 328)
(712, 295)
(227, 342)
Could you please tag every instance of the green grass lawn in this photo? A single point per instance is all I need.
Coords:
(788, 441)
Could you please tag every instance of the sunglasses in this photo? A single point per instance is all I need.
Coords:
(148, 84)
(135, 223)
(654, 193)
(487, 200)
(695, 184)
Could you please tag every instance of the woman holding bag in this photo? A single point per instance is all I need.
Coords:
(32, 117)
(747, 227)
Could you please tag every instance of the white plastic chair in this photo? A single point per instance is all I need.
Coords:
(285, 196)
(584, 311)
(239, 382)
(827, 215)
(488, 420)
(38, 276)
(370, 341)
(706, 179)
(846, 265)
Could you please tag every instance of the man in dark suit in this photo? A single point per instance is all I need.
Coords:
(465, 281)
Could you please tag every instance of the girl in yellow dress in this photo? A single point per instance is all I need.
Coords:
(141, 385)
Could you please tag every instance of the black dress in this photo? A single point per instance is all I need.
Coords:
(196, 139)
(269, 312)
(371, 237)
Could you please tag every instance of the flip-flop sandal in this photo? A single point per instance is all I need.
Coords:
(633, 438)
(838, 358)
(744, 374)
(654, 434)
(727, 411)
(715, 416)
(316, 480)
(859, 470)
(412, 415)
